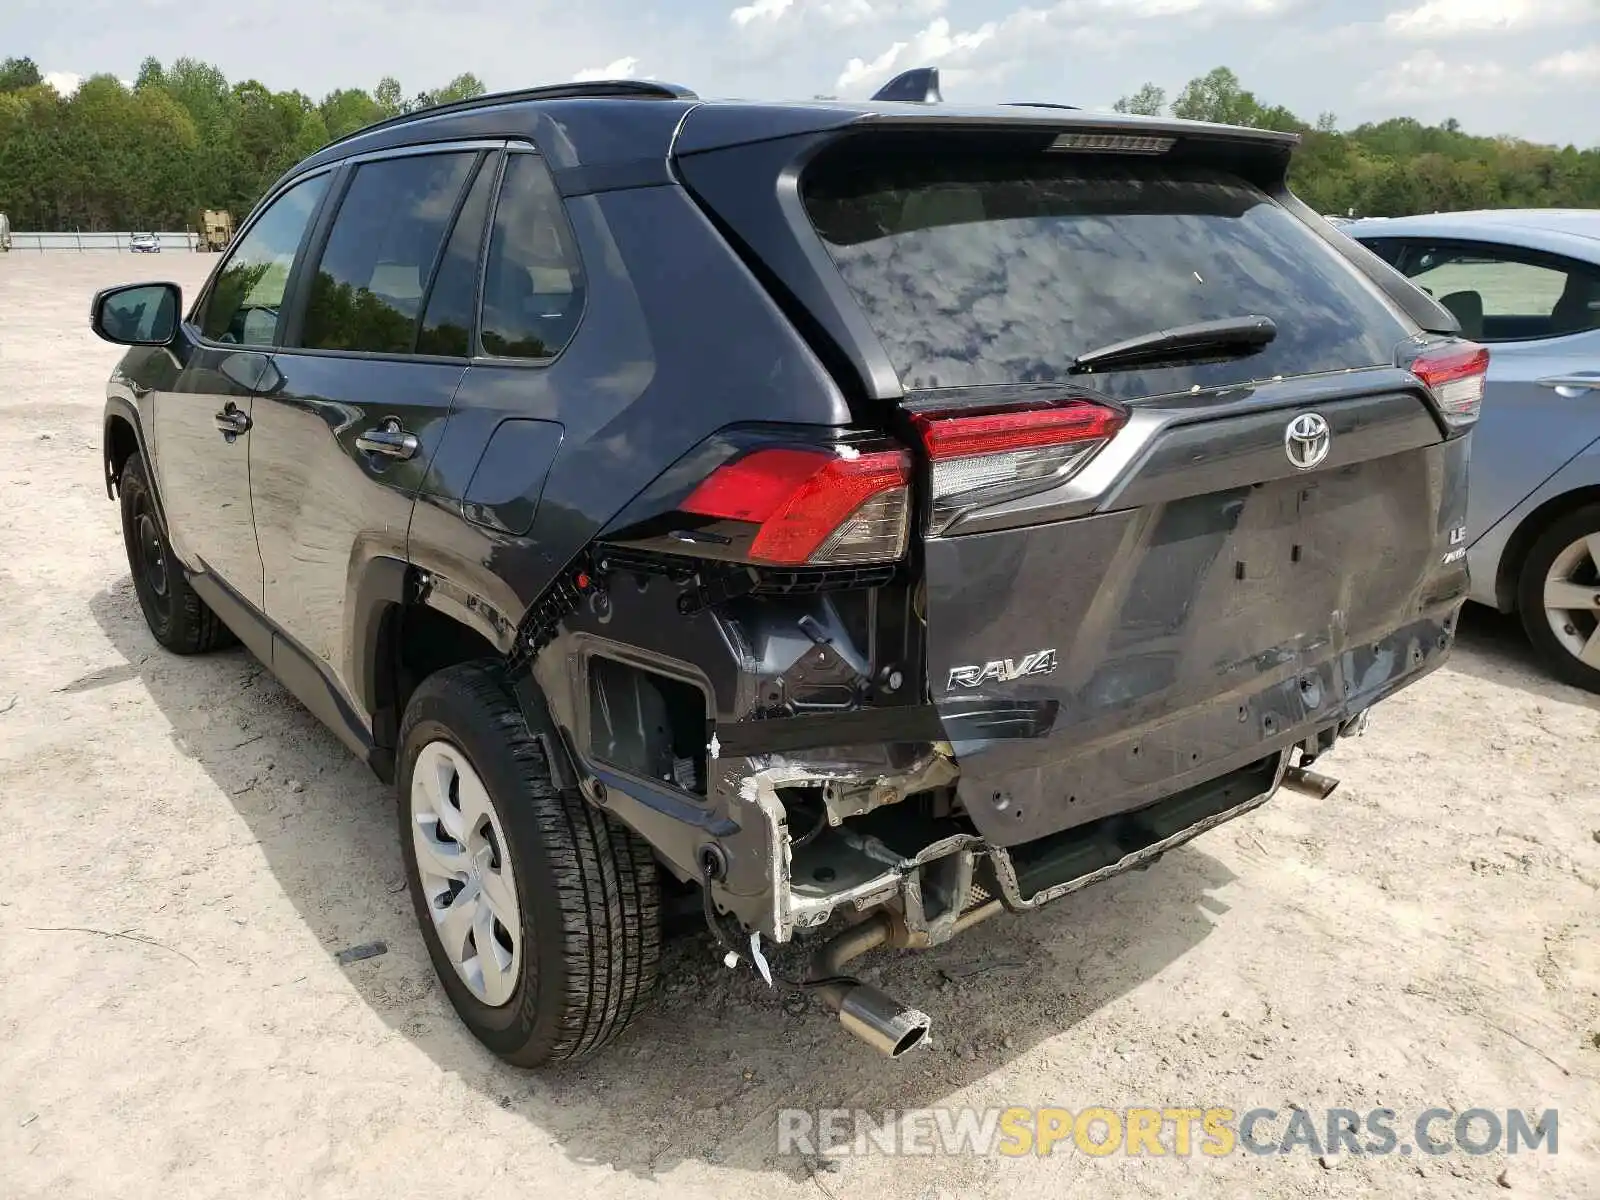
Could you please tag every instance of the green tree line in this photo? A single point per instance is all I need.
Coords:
(1395, 167)
(183, 138)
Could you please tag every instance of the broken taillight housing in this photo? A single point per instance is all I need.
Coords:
(813, 506)
(1456, 373)
(1000, 454)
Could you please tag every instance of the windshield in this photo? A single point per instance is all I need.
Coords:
(1002, 268)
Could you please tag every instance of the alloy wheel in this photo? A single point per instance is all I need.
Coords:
(1572, 599)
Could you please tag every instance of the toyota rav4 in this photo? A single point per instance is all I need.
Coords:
(852, 519)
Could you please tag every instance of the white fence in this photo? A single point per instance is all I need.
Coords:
(182, 240)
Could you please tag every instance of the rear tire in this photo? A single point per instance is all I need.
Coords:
(177, 617)
(562, 897)
(1558, 597)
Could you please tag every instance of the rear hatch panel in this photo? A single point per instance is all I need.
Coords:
(1206, 618)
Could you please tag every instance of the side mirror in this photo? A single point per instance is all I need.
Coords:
(137, 314)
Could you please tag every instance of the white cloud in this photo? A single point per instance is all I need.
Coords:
(1580, 64)
(857, 70)
(1028, 37)
(931, 47)
(1427, 76)
(622, 68)
(64, 82)
(1145, 10)
(1434, 19)
(761, 10)
(838, 14)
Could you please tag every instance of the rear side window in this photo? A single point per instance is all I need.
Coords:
(533, 288)
(1002, 268)
(447, 323)
(368, 288)
(1505, 293)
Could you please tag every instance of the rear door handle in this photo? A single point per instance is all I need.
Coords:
(1579, 380)
(232, 421)
(390, 440)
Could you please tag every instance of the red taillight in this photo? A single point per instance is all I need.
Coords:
(1456, 374)
(1020, 429)
(813, 507)
(983, 458)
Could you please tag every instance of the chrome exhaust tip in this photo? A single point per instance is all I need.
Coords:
(1309, 783)
(879, 1020)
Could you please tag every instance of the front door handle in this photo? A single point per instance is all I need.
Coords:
(390, 440)
(231, 422)
(1577, 381)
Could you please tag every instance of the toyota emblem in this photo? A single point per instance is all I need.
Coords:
(1307, 440)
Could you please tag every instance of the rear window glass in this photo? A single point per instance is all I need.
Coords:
(1001, 269)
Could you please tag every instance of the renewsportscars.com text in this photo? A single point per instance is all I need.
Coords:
(1213, 1131)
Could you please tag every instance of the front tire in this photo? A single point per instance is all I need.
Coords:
(1558, 597)
(539, 911)
(176, 615)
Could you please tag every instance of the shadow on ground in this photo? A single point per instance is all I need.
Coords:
(1498, 651)
(704, 1073)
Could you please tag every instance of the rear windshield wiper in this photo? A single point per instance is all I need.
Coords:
(1201, 342)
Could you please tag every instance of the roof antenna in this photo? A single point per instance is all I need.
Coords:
(920, 85)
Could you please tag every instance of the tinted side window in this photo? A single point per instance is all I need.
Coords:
(533, 282)
(367, 291)
(447, 323)
(1504, 293)
(1387, 249)
(242, 308)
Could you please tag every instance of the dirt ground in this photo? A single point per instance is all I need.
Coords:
(183, 850)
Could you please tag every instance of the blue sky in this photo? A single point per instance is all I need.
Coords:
(1524, 67)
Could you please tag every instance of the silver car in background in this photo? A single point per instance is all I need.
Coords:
(1526, 283)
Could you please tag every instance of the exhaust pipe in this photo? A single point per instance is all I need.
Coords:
(1309, 783)
(882, 1022)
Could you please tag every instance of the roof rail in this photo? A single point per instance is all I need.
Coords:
(615, 89)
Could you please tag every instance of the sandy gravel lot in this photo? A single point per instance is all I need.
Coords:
(1426, 937)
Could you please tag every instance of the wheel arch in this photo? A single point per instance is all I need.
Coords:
(398, 638)
(1527, 532)
(122, 437)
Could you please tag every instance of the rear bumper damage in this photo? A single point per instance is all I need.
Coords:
(940, 890)
(837, 841)
(958, 882)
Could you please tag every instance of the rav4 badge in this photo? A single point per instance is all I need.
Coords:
(1002, 670)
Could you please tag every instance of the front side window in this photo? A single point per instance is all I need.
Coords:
(1504, 293)
(533, 290)
(368, 290)
(242, 307)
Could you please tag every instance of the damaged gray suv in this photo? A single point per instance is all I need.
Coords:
(851, 520)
